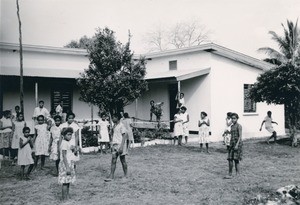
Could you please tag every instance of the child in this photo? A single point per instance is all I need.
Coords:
(186, 118)
(236, 145)
(6, 132)
(127, 121)
(24, 153)
(268, 125)
(103, 140)
(178, 130)
(41, 140)
(75, 136)
(203, 125)
(119, 146)
(226, 134)
(51, 120)
(180, 100)
(66, 164)
(18, 126)
(54, 141)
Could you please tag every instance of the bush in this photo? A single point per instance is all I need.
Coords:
(141, 134)
(89, 137)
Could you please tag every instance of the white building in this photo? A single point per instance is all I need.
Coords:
(213, 78)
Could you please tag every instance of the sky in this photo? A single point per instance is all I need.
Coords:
(241, 25)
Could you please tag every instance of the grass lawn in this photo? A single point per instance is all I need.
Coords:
(162, 174)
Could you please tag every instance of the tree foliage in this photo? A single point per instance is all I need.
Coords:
(179, 35)
(83, 43)
(113, 79)
(281, 85)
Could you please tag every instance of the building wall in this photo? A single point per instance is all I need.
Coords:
(227, 95)
(190, 61)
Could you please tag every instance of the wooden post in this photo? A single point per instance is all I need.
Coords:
(178, 87)
(36, 91)
(92, 116)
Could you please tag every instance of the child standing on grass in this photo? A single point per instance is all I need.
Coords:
(25, 152)
(186, 118)
(18, 126)
(226, 134)
(55, 134)
(268, 125)
(178, 129)
(42, 138)
(119, 146)
(127, 122)
(103, 139)
(66, 165)
(75, 136)
(203, 125)
(236, 145)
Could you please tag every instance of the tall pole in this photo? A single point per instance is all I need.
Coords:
(21, 59)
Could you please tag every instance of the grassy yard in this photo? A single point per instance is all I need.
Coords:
(163, 174)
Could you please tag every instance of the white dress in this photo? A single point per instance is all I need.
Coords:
(55, 133)
(185, 125)
(17, 133)
(42, 140)
(204, 132)
(104, 136)
(178, 130)
(75, 128)
(24, 154)
(268, 124)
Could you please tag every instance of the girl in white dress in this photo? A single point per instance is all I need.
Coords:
(178, 129)
(18, 126)
(127, 122)
(75, 136)
(42, 138)
(103, 138)
(25, 152)
(55, 134)
(203, 125)
(6, 132)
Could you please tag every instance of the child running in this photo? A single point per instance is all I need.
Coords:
(236, 145)
(103, 139)
(66, 165)
(203, 125)
(268, 125)
(178, 129)
(55, 134)
(25, 153)
(119, 146)
(18, 126)
(41, 140)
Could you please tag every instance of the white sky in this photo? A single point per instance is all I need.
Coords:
(241, 25)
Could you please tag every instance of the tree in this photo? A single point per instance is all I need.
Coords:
(113, 79)
(180, 35)
(280, 85)
(83, 43)
(21, 58)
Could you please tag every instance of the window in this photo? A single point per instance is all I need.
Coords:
(62, 94)
(249, 105)
(173, 65)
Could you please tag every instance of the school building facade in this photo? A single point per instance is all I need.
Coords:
(213, 78)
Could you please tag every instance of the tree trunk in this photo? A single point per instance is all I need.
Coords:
(21, 59)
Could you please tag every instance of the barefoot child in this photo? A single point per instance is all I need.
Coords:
(18, 126)
(24, 153)
(55, 134)
(236, 145)
(186, 118)
(268, 125)
(119, 146)
(226, 134)
(66, 164)
(41, 140)
(203, 125)
(178, 129)
(103, 140)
